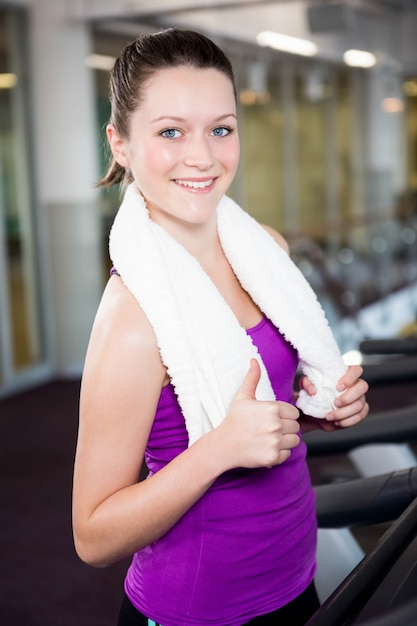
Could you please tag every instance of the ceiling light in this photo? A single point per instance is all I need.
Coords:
(392, 105)
(359, 58)
(8, 81)
(100, 62)
(285, 43)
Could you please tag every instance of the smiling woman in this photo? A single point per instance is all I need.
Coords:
(188, 367)
(183, 163)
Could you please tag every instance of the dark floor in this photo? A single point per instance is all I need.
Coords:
(43, 583)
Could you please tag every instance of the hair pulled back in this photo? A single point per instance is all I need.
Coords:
(136, 65)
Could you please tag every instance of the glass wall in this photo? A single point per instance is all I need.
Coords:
(21, 342)
(332, 165)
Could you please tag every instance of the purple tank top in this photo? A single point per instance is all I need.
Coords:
(247, 547)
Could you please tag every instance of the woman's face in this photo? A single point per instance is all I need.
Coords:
(183, 148)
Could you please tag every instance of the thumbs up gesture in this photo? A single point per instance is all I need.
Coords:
(257, 433)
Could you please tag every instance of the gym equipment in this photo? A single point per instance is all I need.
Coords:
(401, 363)
(381, 590)
(378, 446)
(358, 502)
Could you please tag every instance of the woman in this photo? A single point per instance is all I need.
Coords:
(223, 529)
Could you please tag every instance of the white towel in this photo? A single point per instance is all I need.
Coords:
(203, 346)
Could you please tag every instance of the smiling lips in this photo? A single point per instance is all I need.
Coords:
(195, 184)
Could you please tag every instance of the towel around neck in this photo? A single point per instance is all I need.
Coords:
(201, 342)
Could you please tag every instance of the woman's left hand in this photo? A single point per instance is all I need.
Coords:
(351, 406)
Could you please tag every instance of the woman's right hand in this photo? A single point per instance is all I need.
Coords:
(114, 515)
(257, 433)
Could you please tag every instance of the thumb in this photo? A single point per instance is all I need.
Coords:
(247, 389)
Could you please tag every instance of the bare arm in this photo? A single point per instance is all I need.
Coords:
(113, 514)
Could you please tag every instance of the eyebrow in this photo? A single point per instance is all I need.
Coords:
(174, 118)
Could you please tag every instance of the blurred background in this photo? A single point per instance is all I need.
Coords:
(328, 125)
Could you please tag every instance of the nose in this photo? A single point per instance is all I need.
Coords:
(198, 153)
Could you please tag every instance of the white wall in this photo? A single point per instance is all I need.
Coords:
(66, 163)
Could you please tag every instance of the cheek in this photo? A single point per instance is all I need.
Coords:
(151, 167)
(159, 156)
(232, 155)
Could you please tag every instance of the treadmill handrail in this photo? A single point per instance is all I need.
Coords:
(349, 598)
(391, 426)
(362, 501)
(403, 367)
(395, 345)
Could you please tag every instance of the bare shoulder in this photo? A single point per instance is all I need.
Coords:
(120, 318)
(122, 347)
(121, 386)
(281, 241)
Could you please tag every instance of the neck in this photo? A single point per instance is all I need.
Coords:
(200, 240)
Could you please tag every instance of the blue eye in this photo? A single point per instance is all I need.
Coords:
(221, 131)
(170, 133)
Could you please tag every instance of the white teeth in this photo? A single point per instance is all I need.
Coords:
(195, 184)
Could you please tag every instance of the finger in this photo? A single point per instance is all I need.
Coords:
(282, 456)
(306, 384)
(350, 415)
(351, 375)
(282, 453)
(247, 390)
(356, 392)
(287, 411)
(350, 421)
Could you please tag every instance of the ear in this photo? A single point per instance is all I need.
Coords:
(117, 146)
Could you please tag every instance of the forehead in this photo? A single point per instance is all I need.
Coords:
(186, 84)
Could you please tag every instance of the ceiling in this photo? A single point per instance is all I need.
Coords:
(385, 27)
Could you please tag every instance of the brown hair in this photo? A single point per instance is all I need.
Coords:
(137, 63)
